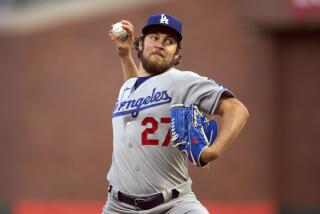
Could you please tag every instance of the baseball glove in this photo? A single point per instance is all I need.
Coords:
(191, 132)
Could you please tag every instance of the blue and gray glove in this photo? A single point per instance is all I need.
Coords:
(191, 132)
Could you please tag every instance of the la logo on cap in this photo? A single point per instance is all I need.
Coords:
(164, 19)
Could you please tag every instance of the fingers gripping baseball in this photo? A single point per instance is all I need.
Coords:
(122, 36)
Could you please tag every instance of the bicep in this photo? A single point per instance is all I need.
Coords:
(226, 104)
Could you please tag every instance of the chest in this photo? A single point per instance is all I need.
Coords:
(143, 113)
(147, 100)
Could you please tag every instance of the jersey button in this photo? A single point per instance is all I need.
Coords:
(130, 145)
(137, 168)
(128, 123)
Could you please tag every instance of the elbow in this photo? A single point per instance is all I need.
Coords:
(245, 112)
(240, 109)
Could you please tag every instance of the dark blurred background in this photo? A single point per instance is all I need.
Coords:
(60, 76)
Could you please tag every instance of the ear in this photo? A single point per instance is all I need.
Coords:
(176, 55)
(140, 45)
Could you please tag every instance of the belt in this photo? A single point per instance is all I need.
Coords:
(144, 203)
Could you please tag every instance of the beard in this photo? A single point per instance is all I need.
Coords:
(155, 67)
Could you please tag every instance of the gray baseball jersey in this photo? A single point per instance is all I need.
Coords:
(143, 161)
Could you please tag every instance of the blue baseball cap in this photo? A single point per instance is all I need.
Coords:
(164, 20)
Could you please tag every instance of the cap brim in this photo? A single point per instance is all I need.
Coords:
(146, 29)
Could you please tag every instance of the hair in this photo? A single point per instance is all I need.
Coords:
(140, 39)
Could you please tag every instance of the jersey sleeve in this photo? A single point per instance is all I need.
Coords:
(204, 92)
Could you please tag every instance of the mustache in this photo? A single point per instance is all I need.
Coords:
(158, 53)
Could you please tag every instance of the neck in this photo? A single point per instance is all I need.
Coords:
(142, 72)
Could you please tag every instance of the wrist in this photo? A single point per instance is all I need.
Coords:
(126, 57)
(124, 52)
(209, 154)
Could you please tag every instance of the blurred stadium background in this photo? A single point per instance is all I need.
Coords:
(60, 77)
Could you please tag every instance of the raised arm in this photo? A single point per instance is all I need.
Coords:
(233, 118)
(123, 48)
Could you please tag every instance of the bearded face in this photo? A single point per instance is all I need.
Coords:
(155, 64)
(158, 52)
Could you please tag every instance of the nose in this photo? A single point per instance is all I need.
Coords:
(159, 44)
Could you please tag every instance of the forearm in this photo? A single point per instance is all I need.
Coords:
(123, 48)
(129, 68)
(233, 119)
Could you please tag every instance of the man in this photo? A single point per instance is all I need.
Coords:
(148, 174)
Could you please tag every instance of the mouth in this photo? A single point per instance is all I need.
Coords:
(158, 54)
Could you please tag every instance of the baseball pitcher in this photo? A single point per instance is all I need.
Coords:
(162, 121)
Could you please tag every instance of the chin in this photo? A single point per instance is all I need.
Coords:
(153, 67)
(157, 69)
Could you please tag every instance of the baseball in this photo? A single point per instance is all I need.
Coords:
(118, 30)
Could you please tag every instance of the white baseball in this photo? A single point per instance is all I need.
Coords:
(118, 30)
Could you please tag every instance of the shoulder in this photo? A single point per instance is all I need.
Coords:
(176, 73)
(190, 79)
(128, 84)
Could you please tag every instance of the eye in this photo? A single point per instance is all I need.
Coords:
(169, 41)
(153, 37)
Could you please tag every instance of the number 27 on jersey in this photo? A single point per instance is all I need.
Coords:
(147, 121)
